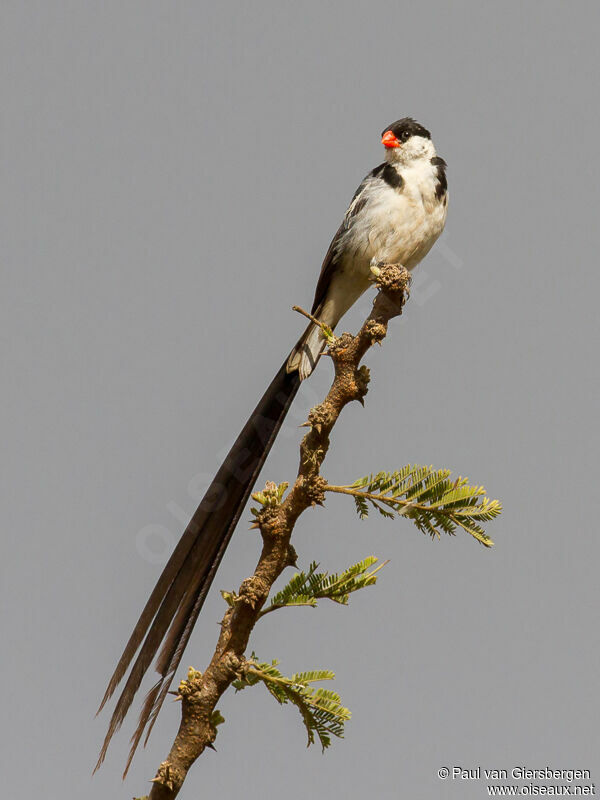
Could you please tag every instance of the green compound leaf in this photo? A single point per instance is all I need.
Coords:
(305, 588)
(321, 710)
(429, 497)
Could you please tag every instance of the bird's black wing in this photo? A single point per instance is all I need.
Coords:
(332, 255)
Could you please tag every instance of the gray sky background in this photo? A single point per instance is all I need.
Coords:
(172, 174)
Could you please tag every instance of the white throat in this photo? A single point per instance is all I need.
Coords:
(417, 148)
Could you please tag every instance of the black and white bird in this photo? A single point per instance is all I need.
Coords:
(395, 217)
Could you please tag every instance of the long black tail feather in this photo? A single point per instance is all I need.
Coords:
(177, 598)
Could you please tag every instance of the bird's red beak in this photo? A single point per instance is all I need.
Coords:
(389, 140)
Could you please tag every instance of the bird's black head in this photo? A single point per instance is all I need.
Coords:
(406, 141)
(406, 127)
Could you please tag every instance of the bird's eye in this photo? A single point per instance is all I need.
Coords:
(405, 135)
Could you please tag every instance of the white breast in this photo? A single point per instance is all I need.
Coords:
(409, 221)
(399, 227)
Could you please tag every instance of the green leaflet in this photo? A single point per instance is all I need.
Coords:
(362, 507)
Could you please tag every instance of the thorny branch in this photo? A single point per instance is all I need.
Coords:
(201, 692)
